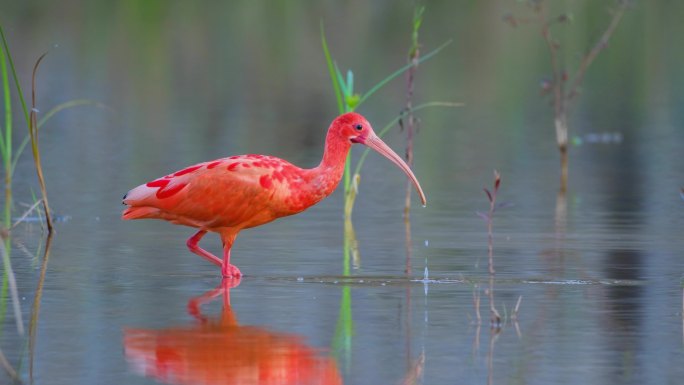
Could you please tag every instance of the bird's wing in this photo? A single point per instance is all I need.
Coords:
(239, 191)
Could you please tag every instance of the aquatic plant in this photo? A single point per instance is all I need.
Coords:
(495, 318)
(562, 87)
(410, 126)
(9, 156)
(348, 100)
(33, 132)
(488, 217)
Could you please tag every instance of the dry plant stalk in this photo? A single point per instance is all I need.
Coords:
(33, 132)
(414, 59)
(489, 217)
(558, 86)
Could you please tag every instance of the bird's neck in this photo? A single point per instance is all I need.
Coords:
(329, 172)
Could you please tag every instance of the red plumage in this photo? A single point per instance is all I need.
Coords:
(230, 194)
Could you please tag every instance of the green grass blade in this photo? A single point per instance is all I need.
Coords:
(6, 145)
(14, 75)
(6, 151)
(343, 87)
(401, 71)
(331, 71)
(65, 105)
(48, 115)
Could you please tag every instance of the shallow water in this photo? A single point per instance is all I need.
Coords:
(599, 269)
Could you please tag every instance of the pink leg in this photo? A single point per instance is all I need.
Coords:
(223, 288)
(192, 243)
(227, 269)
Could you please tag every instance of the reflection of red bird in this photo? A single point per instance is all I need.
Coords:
(239, 192)
(219, 351)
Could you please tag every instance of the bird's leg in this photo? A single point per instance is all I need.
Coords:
(192, 244)
(227, 269)
(223, 288)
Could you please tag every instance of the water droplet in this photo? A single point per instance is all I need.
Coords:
(427, 243)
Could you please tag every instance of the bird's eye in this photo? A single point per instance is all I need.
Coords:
(358, 127)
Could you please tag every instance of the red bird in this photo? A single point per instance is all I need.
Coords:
(230, 194)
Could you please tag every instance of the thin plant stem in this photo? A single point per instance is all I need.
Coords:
(491, 196)
(26, 214)
(6, 140)
(33, 324)
(476, 303)
(33, 131)
(8, 368)
(413, 58)
(415, 371)
(600, 45)
(394, 121)
(561, 98)
(401, 70)
(46, 117)
(348, 101)
(495, 317)
(14, 293)
(14, 75)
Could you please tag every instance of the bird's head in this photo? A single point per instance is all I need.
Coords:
(356, 129)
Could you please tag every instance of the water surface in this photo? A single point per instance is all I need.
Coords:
(599, 268)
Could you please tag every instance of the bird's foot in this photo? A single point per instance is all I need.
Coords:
(230, 271)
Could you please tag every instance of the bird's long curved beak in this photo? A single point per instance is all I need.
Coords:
(374, 142)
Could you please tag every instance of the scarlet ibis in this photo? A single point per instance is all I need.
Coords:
(218, 350)
(230, 194)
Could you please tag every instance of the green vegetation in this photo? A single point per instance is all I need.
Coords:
(10, 156)
(348, 101)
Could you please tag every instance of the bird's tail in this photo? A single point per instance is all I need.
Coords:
(140, 212)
